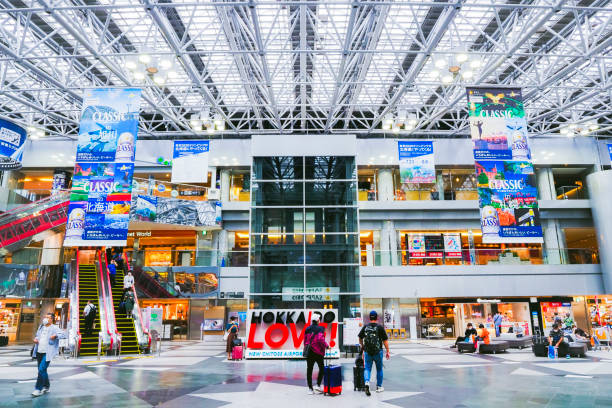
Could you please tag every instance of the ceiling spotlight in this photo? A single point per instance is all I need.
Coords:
(144, 58)
(131, 63)
(447, 79)
(475, 63)
(159, 79)
(467, 74)
(439, 63)
(165, 63)
(565, 131)
(434, 74)
(396, 129)
(39, 133)
(387, 123)
(139, 76)
(196, 124)
(31, 129)
(462, 57)
(593, 125)
(584, 131)
(573, 126)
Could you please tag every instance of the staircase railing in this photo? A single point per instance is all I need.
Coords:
(107, 314)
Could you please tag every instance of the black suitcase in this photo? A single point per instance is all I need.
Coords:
(358, 381)
(540, 350)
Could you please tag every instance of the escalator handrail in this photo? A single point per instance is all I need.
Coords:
(100, 266)
(142, 327)
(112, 309)
(25, 207)
(78, 305)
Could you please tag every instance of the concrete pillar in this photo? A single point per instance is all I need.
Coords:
(554, 242)
(52, 249)
(385, 253)
(600, 192)
(225, 185)
(546, 184)
(385, 185)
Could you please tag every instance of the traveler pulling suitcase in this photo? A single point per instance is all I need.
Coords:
(237, 352)
(332, 380)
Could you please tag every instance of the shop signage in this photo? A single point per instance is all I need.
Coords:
(488, 300)
(279, 333)
(506, 182)
(416, 246)
(452, 245)
(416, 161)
(12, 144)
(190, 161)
(320, 294)
(101, 195)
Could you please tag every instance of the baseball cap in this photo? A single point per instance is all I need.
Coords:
(315, 317)
(373, 315)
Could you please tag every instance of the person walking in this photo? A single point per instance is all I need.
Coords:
(128, 282)
(232, 334)
(315, 345)
(372, 337)
(89, 312)
(112, 272)
(46, 347)
(497, 322)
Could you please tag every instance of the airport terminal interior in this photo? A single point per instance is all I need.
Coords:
(202, 200)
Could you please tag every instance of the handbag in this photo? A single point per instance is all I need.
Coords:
(225, 336)
(32, 353)
(306, 349)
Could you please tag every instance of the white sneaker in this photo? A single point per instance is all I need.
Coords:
(380, 389)
(37, 393)
(318, 389)
(311, 391)
(45, 390)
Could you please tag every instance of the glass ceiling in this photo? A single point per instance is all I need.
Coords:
(336, 66)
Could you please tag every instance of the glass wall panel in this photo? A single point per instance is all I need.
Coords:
(336, 278)
(272, 279)
(333, 249)
(277, 220)
(284, 193)
(319, 220)
(270, 254)
(329, 167)
(278, 168)
(328, 193)
(273, 302)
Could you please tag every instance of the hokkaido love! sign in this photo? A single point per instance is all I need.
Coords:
(279, 333)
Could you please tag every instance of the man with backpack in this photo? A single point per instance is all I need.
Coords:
(89, 312)
(372, 337)
(314, 351)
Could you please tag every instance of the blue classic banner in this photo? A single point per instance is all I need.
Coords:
(507, 191)
(610, 151)
(101, 195)
(416, 161)
(12, 143)
(190, 161)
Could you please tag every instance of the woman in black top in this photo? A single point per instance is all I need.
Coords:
(468, 333)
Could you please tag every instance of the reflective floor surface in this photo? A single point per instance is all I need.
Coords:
(196, 374)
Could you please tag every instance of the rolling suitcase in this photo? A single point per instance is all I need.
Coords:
(237, 352)
(540, 350)
(358, 381)
(332, 380)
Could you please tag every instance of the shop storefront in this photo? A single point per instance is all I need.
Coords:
(437, 319)
(175, 316)
(515, 315)
(600, 310)
(10, 312)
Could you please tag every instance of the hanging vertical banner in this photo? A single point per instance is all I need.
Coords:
(190, 161)
(416, 161)
(12, 144)
(507, 191)
(610, 151)
(101, 194)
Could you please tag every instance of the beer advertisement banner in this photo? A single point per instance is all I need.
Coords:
(101, 195)
(416, 161)
(610, 151)
(507, 191)
(190, 161)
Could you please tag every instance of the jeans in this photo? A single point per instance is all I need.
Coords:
(310, 362)
(42, 381)
(497, 330)
(378, 359)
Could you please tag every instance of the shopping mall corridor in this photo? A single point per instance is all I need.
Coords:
(417, 375)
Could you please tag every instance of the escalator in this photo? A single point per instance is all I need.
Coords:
(125, 325)
(88, 290)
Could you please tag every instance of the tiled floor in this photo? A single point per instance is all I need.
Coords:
(427, 374)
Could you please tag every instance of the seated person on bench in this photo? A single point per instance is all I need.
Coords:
(469, 332)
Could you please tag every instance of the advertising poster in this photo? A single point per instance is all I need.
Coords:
(416, 246)
(12, 144)
(610, 150)
(109, 125)
(60, 181)
(434, 246)
(279, 333)
(101, 194)
(507, 191)
(186, 212)
(416, 161)
(190, 161)
(452, 245)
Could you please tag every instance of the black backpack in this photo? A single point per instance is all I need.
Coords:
(371, 340)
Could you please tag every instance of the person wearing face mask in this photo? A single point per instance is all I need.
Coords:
(46, 347)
